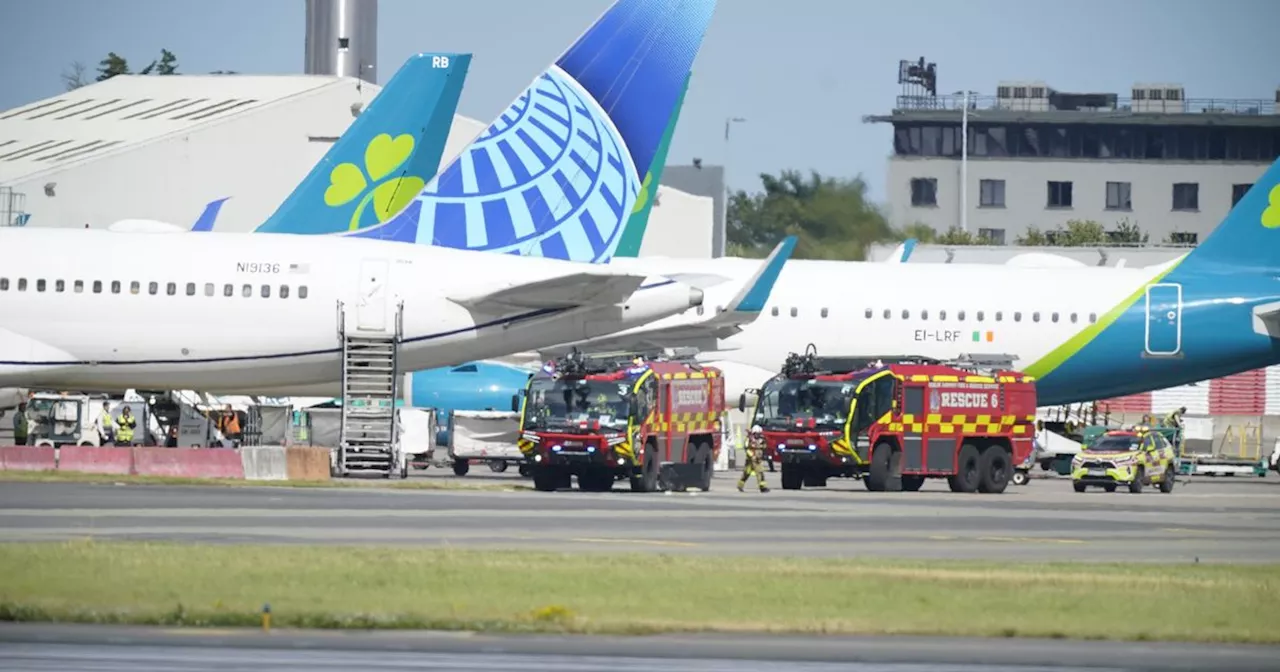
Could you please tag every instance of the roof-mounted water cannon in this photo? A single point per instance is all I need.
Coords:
(801, 365)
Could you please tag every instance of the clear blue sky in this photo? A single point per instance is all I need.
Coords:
(803, 72)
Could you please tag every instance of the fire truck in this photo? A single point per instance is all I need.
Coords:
(652, 419)
(895, 424)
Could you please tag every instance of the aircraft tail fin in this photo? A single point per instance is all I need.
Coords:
(385, 157)
(633, 234)
(559, 173)
(1248, 239)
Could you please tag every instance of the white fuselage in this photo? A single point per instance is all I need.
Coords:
(234, 312)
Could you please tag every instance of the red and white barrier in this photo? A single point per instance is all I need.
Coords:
(28, 458)
(188, 462)
(96, 460)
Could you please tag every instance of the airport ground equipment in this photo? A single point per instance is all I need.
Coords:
(895, 421)
(484, 437)
(1134, 458)
(63, 419)
(370, 373)
(653, 418)
(1238, 453)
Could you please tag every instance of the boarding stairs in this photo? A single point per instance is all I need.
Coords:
(370, 374)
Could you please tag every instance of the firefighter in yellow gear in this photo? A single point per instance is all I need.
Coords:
(124, 427)
(754, 458)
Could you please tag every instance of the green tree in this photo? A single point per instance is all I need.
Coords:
(75, 77)
(168, 64)
(1084, 232)
(114, 64)
(923, 233)
(831, 217)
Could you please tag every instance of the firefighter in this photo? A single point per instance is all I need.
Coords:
(755, 442)
(124, 427)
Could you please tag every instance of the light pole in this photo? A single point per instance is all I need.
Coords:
(723, 238)
(964, 158)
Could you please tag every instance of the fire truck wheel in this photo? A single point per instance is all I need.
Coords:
(912, 483)
(885, 472)
(966, 476)
(461, 467)
(994, 470)
(703, 457)
(595, 480)
(546, 479)
(792, 477)
(647, 480)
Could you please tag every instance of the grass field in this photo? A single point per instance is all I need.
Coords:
(413, 484)
(336, 587)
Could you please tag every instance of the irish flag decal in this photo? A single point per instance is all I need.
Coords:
(979, 336)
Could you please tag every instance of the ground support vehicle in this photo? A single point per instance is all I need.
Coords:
(65, 419)
(645, 417)
(1135, 458)
(894, 425)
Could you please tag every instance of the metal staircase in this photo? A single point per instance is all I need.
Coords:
(370, 373)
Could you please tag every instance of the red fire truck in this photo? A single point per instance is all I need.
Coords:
(652, 419)
(894, 424)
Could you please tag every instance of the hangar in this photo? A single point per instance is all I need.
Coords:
(162, 147)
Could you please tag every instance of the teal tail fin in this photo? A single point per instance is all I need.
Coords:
(1249, 238)
(633, 235)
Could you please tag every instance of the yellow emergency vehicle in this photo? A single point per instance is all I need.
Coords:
(1134, 457)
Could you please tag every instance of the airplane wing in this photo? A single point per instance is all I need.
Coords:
(593, 286)
(703, 332)
(1266, 319)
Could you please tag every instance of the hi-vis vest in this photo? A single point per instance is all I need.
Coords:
(124, 431)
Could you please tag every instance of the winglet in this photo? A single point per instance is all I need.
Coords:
(755, 293)
(902, 252)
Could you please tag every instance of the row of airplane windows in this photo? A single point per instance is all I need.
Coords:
(960, 316)
(153, 288)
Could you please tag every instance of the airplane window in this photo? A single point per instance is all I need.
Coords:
(1017, 316)
(79, 287)
(59, 285)
(1093, 317)
(699, 310)
(97, 286)
(824, 312)
(1035, 317)
(246, 291)
(153, 288)
(208, 289)
(284, 293)
(171, 288)
(266, 291)
(793, 311)
(40, 285)
(4, 284)
(1055, 317)
(719, 309)
(135, 287)
(942, 315)
(999, 315)
(869, 313)
(191, 289)
(960, 316)
(22, 284)
(980, 315)
(228, 290)
(775, 311)
(924, 314)
(906, 314)
(115, 286)
(302, 292)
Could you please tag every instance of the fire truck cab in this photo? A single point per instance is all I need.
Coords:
(895, 424)
(645, 417)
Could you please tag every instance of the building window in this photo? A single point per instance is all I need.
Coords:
(1059, 195)
(1237, 192)
(1186, 196)
(991, 236)
(924, 191)
(1118, 196)
(991, 193)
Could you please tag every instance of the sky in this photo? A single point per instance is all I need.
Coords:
(802, 72)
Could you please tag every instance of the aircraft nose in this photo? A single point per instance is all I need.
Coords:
(695, 297)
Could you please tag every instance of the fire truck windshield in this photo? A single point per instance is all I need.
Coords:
(783, 401)
(563, 402)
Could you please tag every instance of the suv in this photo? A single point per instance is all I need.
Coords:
(1132, 457)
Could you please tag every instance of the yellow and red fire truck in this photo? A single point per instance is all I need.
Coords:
(645, 417)
(895, 424)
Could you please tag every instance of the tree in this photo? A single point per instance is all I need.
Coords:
(831, 217)
(168, 63)
(75, 78)
(1084, 232)
(114, 64)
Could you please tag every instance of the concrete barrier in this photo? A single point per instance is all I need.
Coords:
(28, 458)
(265, 463)
(307, 463)
(96, 460)
(188, 462)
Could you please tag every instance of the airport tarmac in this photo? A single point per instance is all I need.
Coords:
(1205, 519)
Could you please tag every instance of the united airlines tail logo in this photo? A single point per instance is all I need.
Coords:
(382, 157)
(1271, 216)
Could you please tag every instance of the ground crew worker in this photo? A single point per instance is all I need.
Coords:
(105, 425)
(124, 427)
(229, 425)
(1174, 419)
(20, 425)
(755, 443)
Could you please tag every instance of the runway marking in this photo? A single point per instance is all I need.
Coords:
(1033, 540)
(650, 542)
(202, 632)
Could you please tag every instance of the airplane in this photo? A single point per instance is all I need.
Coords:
(53, 334)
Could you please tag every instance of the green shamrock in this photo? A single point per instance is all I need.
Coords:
(382, 157)
(1271, 216)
